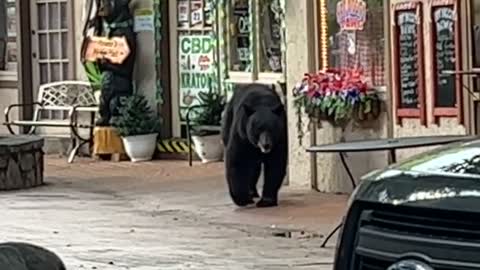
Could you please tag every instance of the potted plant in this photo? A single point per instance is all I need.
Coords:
(138, 127)
(207, 126)
(336, 96)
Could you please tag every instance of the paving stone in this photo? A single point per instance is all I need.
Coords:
(164, 215)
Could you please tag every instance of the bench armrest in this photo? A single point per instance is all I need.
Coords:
(78, 108)
(10, 107)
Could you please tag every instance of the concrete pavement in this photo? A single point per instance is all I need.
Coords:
(165, 215)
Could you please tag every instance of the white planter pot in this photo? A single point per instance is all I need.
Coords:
(97, 94)
(209, 148)
(141, 147)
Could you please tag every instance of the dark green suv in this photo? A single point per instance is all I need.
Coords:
(420, 214)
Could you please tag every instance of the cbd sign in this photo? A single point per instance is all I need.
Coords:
(196, 45)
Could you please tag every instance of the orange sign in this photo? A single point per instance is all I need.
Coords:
(114, 49)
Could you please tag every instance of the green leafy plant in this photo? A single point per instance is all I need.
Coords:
(94, 75)
(135, 117)
(212, 105)
(210, 111)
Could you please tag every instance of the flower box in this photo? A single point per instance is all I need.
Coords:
(336, 96)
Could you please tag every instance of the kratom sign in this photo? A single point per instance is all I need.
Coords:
(195, 67)
(114, 49)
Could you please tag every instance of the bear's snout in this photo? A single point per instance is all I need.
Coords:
(264, 143)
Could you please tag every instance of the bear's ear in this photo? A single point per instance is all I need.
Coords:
(278, 110)
(248, 110)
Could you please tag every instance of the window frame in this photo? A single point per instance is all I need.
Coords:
(457, 110)
(238, 77)
(420, 111)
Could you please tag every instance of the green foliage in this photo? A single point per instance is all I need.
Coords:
(94, 75)
(212, 108)
(135, 117)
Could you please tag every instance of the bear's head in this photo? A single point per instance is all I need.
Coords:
(263, 126)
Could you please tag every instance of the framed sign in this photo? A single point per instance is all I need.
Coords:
(196, 71)
(408, 63)
(447, 98)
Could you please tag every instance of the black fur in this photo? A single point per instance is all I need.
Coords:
(117, 78)
(24, 256)
(254, 109)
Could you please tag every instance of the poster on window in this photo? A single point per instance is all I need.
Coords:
(182, 13)
(196, 13)
(241, 16)
(351, 14)
(208, 13)
(195, 68)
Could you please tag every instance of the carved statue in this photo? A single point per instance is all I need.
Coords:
(112, 19)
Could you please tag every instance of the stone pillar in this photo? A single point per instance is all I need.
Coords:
(300, 59)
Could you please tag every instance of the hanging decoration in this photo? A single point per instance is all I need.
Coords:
(337, 96)
(351, 14)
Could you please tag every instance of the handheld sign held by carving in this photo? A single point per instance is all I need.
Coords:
(115, 49)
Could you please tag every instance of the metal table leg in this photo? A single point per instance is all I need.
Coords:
(331, 234)
(345, 165)
(393, 156)
(354, 185)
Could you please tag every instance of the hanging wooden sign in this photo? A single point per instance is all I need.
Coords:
(115, 49)
(351, 14)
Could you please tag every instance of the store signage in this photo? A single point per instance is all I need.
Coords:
(114, 49)
(143, 20)
(351, 14)
(195, 67)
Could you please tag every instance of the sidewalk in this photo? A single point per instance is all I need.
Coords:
(166, 215)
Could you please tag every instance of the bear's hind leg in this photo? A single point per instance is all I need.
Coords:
(254, 180)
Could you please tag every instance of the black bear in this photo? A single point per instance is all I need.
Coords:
(24, 256)
(254, 133)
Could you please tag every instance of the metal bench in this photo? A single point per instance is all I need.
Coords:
(58, 105)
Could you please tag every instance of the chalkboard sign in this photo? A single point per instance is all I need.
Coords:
(445, 55)
(408, 58)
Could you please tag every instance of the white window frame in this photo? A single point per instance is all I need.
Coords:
(239, 77)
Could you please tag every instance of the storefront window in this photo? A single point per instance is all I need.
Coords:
(363, 48)
(270, 34)
(239, 35)
(8, 43)
(268, 16)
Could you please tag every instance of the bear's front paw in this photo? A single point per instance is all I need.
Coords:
(263, 203)
(254, 194)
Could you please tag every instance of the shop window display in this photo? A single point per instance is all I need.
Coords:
(239, 35)
(267, 30)
(8, 45)
(362, 49)
(270, 34)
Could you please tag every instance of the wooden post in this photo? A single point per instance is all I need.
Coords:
(106, 142)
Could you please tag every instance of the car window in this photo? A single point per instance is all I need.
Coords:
(464, 161)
